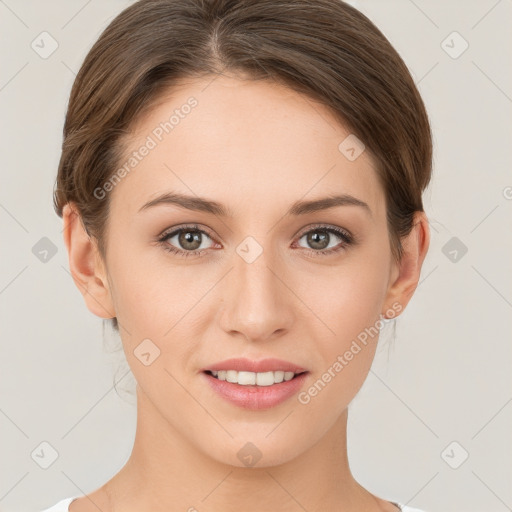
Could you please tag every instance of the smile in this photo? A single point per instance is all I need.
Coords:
(253, 378)
(255, 390)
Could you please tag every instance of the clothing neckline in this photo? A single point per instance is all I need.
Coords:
(69, 500)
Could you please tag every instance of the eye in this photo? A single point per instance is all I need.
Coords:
(189, 241)
(322, 242)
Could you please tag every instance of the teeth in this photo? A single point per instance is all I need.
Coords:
(251, 378)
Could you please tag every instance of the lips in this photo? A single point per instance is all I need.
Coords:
(260, 396)
(255, 397)
(261, 366)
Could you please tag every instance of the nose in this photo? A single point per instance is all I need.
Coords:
(258, 302)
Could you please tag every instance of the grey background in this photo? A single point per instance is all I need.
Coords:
(445, 377)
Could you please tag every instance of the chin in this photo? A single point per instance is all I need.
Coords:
(256, 452)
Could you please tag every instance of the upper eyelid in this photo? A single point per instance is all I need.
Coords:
(173, 231)
(323, 226)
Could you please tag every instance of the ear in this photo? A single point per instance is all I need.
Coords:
(406, 273)
(86, 265)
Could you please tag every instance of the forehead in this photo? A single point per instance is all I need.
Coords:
(244, 143)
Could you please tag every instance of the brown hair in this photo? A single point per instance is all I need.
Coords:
(325, 49)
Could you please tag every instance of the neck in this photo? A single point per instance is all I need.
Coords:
(166, 472)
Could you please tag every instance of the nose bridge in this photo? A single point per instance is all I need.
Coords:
(252, 267)
(257, 302)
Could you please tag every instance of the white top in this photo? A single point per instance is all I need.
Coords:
(63, 506)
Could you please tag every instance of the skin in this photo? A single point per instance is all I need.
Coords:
(255, 147)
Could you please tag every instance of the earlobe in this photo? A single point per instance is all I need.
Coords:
(86, 265)
(407, 271)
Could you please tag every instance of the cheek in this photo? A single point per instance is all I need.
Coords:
(350, 297)
(349, 303)
(351, 309)
(162, 302)
(148, 295)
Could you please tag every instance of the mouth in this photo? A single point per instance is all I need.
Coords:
(255, 390)
(257, 379)
(255, 384)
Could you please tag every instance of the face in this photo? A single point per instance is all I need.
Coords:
(261, 276)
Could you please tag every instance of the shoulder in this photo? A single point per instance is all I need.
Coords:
(61, 506)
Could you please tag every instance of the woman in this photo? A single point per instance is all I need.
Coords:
(241, 188)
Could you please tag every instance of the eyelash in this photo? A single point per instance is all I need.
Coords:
(347, 238)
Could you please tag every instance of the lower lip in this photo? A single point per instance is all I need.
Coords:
(256, 397)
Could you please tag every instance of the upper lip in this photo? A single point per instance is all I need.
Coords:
(247, 365)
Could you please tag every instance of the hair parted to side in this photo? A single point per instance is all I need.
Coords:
(325, 49)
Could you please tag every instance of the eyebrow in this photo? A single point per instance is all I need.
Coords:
(209, 206)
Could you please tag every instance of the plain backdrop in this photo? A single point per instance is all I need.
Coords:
(431, 425)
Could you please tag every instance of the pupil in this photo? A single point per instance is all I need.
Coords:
(318, 239)
(190, 239)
